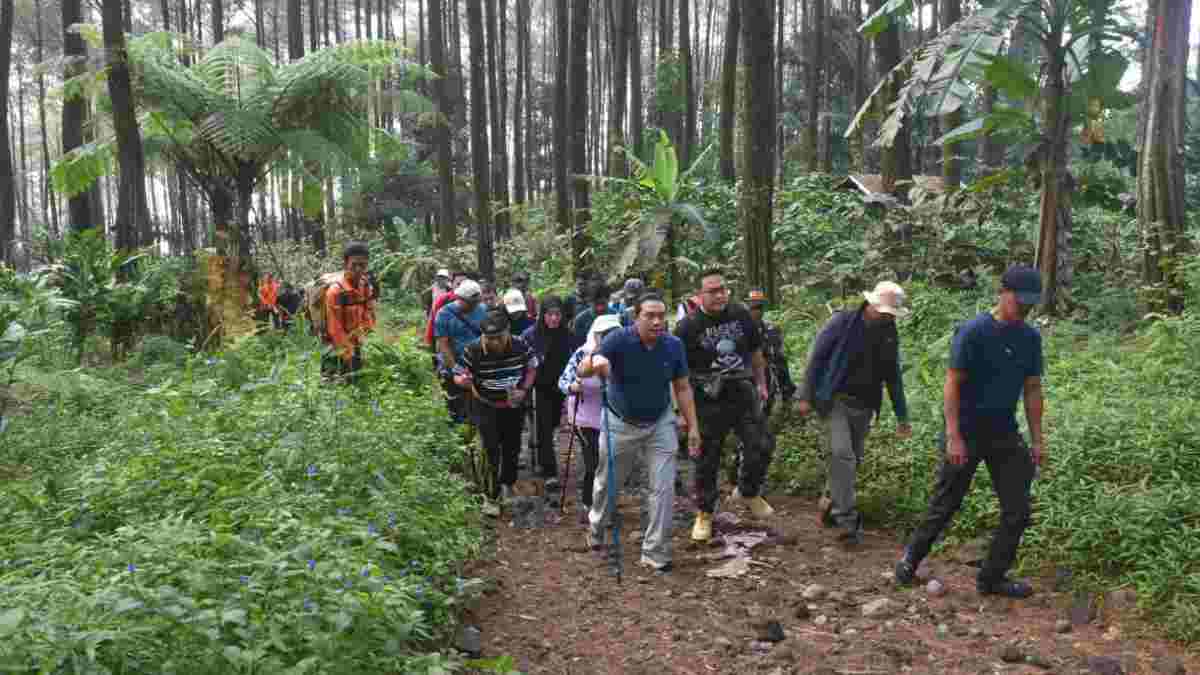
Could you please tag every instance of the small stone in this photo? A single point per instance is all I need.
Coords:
(974, 633)
(771, 631)
(890, 625)
(814, 592)
(802, 612)
(850, 631)
(821, 620)
(1011, 653)
(723, 643)
(471, 641)
(1105, 665)
(688, 595)
(1169, 665)
(878, 609)
(838, 597)
(1121, 599)
(935, 588)
(1062, 626)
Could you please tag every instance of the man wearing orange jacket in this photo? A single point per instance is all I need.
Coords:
(349, 313)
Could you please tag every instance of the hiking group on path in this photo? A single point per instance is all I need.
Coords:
(630, 388)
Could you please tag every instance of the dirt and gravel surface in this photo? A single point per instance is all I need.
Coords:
(804, 604)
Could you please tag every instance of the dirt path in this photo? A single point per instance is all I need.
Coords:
(556, 608)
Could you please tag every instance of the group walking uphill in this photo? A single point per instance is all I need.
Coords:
(630, 390)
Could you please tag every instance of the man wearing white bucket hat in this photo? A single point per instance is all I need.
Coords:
(855, 354)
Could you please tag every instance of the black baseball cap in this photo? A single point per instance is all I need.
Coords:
(495, 323)
(1025, 282)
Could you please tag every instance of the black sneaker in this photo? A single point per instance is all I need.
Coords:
(906, 571)
(1004, 587)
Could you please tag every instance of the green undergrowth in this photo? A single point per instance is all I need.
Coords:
(230, 514)
(1118, 501)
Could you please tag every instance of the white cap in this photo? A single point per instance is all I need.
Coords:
(468, 290)
(887, 298)
(514, 301)
(443, 273)
(605, 322)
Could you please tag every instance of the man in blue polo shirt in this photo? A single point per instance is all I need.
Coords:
(995, 359)
(456, 326)
(642, 364)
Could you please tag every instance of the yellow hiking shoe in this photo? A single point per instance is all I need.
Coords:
(702, 530)
(759, 507)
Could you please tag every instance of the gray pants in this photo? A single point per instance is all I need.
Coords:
(846, 430)
(657, 445)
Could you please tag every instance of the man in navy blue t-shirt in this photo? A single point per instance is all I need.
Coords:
(641, 365)
(995, 359)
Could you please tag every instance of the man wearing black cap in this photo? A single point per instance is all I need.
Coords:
(498, 370)
(995, 359)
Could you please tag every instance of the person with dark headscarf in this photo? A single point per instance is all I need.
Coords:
(551, 342)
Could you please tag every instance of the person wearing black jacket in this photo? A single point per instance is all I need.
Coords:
(854, 355)
(551, 342)
(728, 374)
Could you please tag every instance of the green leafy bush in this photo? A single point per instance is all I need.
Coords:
(217, 524)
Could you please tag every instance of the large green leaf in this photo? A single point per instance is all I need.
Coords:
(666, 169)
(1011, 77)
(878, 21)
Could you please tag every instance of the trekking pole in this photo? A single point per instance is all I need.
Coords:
(615, 555)
(562, 502)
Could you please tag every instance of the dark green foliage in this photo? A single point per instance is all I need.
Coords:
(231, 515)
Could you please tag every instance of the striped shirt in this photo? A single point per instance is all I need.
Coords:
(495, 373)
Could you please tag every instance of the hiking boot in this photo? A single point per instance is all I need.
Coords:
(759, 507)
(658, 570)
(853, 535)
(906, 569)
(1005, 587)
(702, 529)
(825, 512)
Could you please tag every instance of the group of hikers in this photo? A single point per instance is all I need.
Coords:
(631, 389)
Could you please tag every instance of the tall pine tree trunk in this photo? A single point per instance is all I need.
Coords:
(1054, 236)
(447, 229)
(485, 254)
(499, 156)
(580, 241)
(519, 141)
(729, 86)
(897, 159)
(619, 20)
(951, 164)
(756, 196)
(7, 192)
(637, 128)
(561, 124)
(688, 130)
(816, 57)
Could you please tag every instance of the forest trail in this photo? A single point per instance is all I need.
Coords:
(555, 607)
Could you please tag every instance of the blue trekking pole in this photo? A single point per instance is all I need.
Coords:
(615, 554)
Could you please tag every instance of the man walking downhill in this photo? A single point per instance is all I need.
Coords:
(458, 325)
(498, 371)
(729, 372)
(854, 355)
(349, 313)
(642, 365)
(995, 358)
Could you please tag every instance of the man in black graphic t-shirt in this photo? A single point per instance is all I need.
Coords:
(729, 376)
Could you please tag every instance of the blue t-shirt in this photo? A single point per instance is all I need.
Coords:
(639, 388)
(997, 358)
(452, 322)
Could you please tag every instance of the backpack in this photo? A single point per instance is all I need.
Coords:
(314, 302)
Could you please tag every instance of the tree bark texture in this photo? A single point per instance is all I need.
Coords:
(896, 160)
(755, 198)
(561, 123)
(75, 110)
(447, 229)
(816, 57)
(729, 76)
(580, 241)
(688, 131)
(485, 253)
(519, 148)
(637, 128)
(951, 164)
(620, 14)
(499, 154)
(132, 213)
(7, 191)
(1160, 205)
(1054, 236)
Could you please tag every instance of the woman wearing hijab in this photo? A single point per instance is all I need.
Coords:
(583, 408)
(551, 342)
